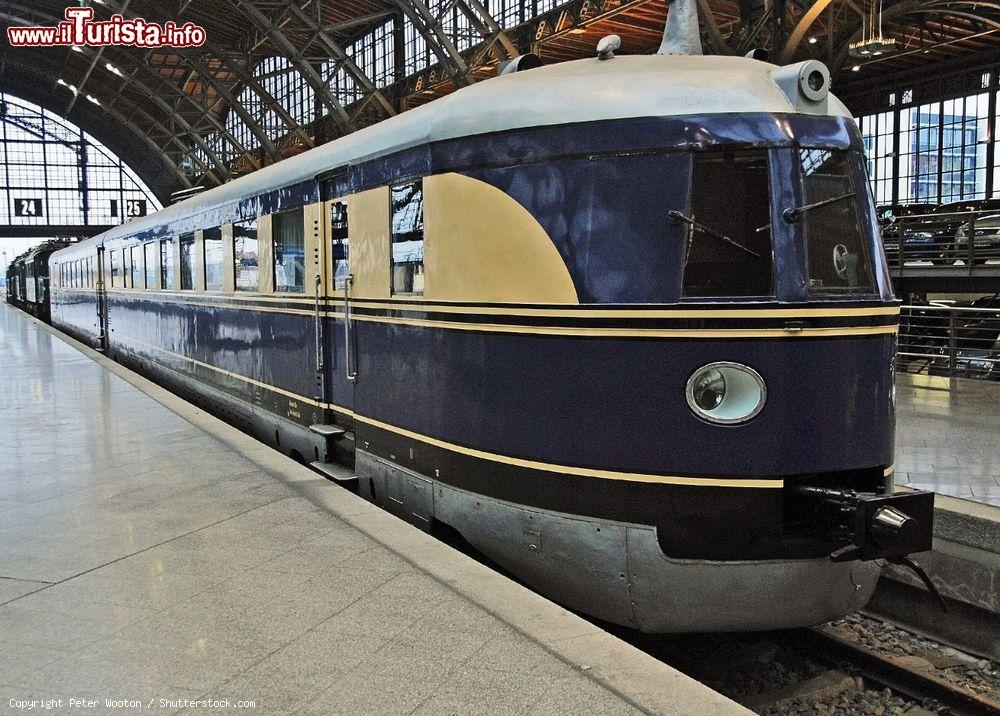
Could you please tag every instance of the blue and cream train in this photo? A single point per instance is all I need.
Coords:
(623, 323)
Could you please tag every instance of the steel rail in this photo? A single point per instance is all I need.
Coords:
(896, 674)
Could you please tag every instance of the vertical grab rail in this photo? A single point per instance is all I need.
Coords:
(352, 375)
(318, 327)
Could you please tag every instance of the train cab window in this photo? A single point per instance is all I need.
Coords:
(727, 229)
(340, 243)
(838, 259)
(167, 264)
(407, 206)
(245, 245)
(135, 258)
(187, 261)
(214, 261)
(151, 251)
(289, 251)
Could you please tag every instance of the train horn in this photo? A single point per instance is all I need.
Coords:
(681, 36)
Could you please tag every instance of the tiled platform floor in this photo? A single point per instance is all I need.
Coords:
(143, 558)
(948, 437)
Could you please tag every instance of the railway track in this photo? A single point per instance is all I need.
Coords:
(908, 676)
(838, 669)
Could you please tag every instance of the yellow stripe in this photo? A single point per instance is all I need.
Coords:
(636, 332)
(889, 470)
(587, 312)
(516, 310)
(570, 470)
(231, 374)
(493, 457)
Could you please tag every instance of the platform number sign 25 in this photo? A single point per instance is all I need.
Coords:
(134, 208)
(28, 208)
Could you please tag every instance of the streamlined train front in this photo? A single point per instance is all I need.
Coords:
(714, 449)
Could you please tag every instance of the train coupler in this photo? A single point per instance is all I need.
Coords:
(874, 526)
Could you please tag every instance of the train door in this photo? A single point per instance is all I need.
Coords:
(102, 304)
(335, 348)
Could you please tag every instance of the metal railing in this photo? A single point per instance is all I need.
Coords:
(942, 239)
(949, 341)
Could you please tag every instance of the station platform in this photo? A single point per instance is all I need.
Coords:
(150, 553)
(948, 436)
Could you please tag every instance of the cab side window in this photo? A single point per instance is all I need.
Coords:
(407, 221)
(340, 242)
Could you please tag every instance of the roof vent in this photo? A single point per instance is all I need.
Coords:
(520, 64)
(607, 47)
(806, 84)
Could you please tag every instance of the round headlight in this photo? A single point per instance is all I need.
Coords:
(726, 393)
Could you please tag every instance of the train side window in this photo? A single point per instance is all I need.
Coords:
(213, 257)
(167, 264)
(79, 282)
(407, 220)
(340, 243)
(289, 251)
(187, 261)
(247, 277)
(152, 263)
(136, 261)
(116, 280)
(838, 259)
(730, 200)
(125, 269)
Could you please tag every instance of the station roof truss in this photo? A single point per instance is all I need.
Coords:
(277, 77)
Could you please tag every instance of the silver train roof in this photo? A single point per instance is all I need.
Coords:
(579, 91)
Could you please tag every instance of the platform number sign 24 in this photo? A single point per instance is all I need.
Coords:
(28, 208)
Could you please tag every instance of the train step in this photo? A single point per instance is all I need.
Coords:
(328, 431)
(338, 473)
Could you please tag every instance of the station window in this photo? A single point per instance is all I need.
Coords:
(245, 245)
(837, 254)
(289, 251)
(340, 242)
(407, 217)
(187, 261)
(728, 228)
(135, 256)
(150, 250)
(214, 262)
(167, 264)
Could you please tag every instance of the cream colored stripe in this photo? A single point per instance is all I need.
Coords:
(635, 332)
(586, 312)
(245, 379)
(547, 467)
(889, 470)
(570, 470)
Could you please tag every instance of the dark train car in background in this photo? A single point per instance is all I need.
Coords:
(28, 279)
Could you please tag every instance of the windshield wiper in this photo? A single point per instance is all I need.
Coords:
(791, 215)
(678, 216)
